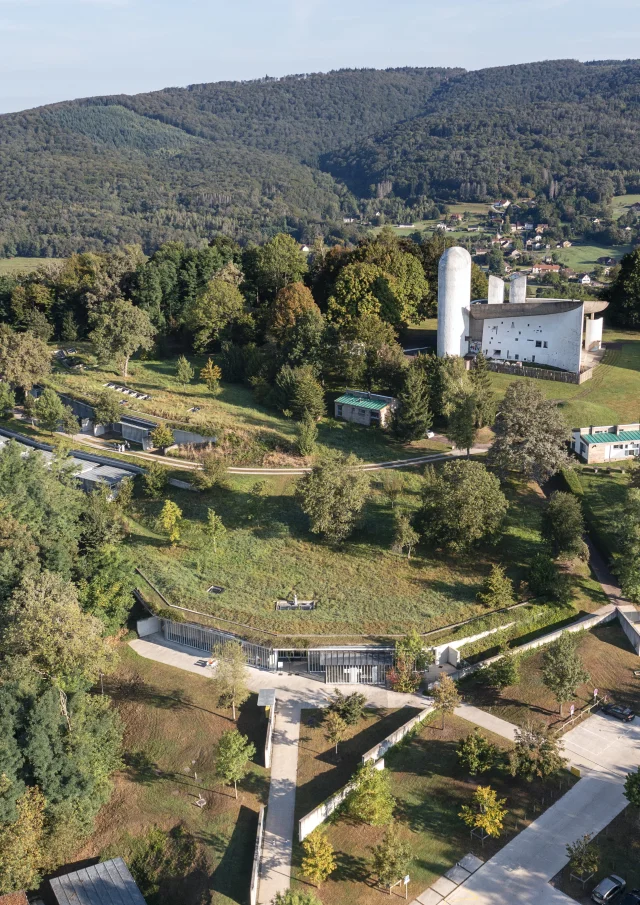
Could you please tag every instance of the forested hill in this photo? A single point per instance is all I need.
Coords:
(553, 127)
(182, 163)
(301, 153)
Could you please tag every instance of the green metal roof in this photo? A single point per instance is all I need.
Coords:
(362, 402)
(622, 437)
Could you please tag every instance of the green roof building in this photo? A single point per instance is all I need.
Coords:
(608, 443)
(365, 408)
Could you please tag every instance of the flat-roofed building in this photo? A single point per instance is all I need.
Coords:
(107, 883)
(365, 408)
(608, 443)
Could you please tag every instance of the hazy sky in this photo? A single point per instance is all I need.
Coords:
(53, 50)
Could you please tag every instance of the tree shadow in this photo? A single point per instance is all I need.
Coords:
(232, 875)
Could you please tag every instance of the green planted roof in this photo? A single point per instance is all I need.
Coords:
(622, 437)
(362, 402)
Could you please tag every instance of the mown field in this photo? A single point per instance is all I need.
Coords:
(611, 396)
(360, 588)
(172, 724)
(585, 256)
(24, 265)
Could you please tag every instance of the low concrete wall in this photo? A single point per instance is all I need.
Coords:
(257, 854)
(381, 749)
(630, 622)
(541, 373)
(148, 626)
(450, 651)
(313, 819)
(268, 745)
(581, 625)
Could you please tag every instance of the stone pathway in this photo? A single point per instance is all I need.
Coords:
(447, 883)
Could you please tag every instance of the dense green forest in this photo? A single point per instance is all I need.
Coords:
(302, 153)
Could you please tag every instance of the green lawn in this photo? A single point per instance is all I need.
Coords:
(430, 790)
(172, 724)
(611, 396)
(23, 265)
(621, 204)
(608, 658)
(604, 495)
(585, 256)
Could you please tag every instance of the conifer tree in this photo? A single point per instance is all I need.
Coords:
(413, 418)
(461, 426)
(184, 371)
(497, 589)
(480, 377)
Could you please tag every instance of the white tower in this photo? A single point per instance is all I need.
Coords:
(454, 297)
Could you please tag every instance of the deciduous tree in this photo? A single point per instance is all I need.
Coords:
(584, 857)
(536, 752)
(486, 813)
(211, 375)
(405, 536)
(155, 479)
(335, 728)
(392, 485)
(476, 754)
(280, 262)
(24, 359)
(233, 753)
(462, 504)
(119, 330)
(391, 858)
(446, 696)
(319, 860)
(562, 668)
(307, 435)
(290, 303)
(162, 437)
(214, 528)
(563, 524)
(371, 800)
(21, 844)
(530, 434)
(333, 494)
(107, 407)
(170, 521)
(218, 305)
(230, 675)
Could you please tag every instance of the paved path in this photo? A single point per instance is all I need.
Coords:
(293, 693)
(486, 721)
(605, 750)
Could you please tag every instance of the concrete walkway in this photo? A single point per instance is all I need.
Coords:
(293, 694)
(486, 721)
(605, 751)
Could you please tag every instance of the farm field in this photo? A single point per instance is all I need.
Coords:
(172, 725)
(620, 204)
(607, 656)
(611, 396)
(430, 789)
(585, 257)
(360, 588)
(12, 266)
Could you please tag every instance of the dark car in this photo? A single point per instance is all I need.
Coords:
(631, 898)
(625, 714)
(608, 889)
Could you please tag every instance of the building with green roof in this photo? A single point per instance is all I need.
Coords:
(365, 408)
(606, 443)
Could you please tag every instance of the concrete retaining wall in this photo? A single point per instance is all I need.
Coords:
(268, 745)
(450, 651)
(257, 853)
(148, 626)
(313, 819)
(541, 373)
(381, 749)
(630, 622)
(581, 625)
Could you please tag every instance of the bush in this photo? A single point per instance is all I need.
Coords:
(572, 481)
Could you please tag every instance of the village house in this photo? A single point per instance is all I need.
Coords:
(367, 409)
(545, 268)
(609, 443)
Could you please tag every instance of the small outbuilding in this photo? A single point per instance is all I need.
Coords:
(608, 443)
(365, 408)
(107, 883)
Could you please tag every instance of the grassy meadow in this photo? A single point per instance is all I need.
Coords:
(172, 724)
(13, 266)
(585, 256)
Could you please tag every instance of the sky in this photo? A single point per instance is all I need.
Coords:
(54, 50)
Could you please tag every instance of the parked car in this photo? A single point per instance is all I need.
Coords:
(625, 714)
(631, 898)
(608, 889)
